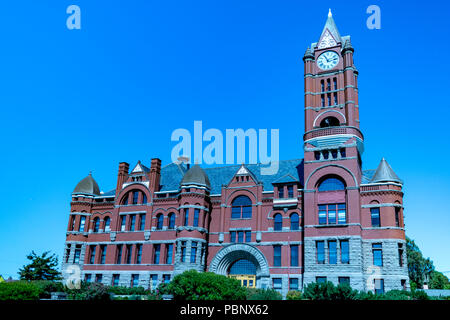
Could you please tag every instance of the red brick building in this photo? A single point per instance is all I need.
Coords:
(318, 218)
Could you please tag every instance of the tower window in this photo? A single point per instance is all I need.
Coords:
(331, 184)
(375, 217)
(317, 155)
(328, 85)
(335, 83)
(329, 122)
(342, 151)
(335, 98)
(334, 153)
(397, 216)
(329, 99)
(193, 252)
(323, 100)
(322, 84)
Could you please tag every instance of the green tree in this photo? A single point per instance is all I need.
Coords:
(193, 285)
(438, 281)
(263, 294)
(418, 267)
(41, 267)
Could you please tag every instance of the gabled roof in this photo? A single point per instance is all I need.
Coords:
(172, 174)
(287, 178)
(140, 168)
(384, 173)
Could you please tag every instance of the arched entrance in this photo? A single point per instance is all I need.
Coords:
(243, 262)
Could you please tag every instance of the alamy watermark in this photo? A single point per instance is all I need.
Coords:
(374, 20)
(214, 152)
(74, 20)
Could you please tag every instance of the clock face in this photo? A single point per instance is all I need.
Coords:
(328, 60)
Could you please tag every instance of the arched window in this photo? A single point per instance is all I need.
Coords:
(242, 266)
(160, 221)
(329, 121)
(331, 184)
(172, 220)
(125, 200)
(277, 222)
(96, 224)
(241, 208)
(107, 224)
(294, 221)
(144, 198)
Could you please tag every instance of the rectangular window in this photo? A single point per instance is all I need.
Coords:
(123, 222)
(322, 85)
(119, 254)
(248, 236)
(377, 254)
(291, 191)
(92, 256)
(240, 236)
(134, 280)
(335, 98)
(280, 192)
(135, 197)
(345, 251)
(235, 212)
(322, 214)
(332, 252)
(344, 280)
(342, 215)
(400, 255)
(186, 216)
(156, 252)
(331, 214)
(87, 278)
(320, 250)
(183, 251)
(72, 225)
(169, 250)
(98, 278)
(132, 222)
(321, 279)
(379, 286)
(277, 256)
(335, 83)
(115, 280)
(294, 255)
(342, 151)
(397, 216)
(246, 212)
(329, 99)
(138, 253)
(129, 253)
(277, 284)
(193, 251)
(154, 283)
(232, 236)
(196, 214)
(142, 226)
(166, 278)
(322, 97)
(375, 215)
(328, 85)
(76, 257)
(82, 223)
(293, 284)
(68, 253)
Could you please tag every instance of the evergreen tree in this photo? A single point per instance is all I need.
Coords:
(41, 267)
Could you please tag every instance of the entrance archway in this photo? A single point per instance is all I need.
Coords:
(243, 262)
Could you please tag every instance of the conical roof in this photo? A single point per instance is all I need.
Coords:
(384, 173)
(330, 26)
(88, 185)
(196, 175)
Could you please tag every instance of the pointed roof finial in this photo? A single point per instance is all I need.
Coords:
(329, 13)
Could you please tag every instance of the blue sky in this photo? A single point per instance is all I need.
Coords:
(73, 101)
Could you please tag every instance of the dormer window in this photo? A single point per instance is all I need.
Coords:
(290, 191)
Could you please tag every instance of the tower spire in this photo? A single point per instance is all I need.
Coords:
(330, 35)
(329, 13)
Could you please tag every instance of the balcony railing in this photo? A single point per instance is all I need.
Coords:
(332, 131)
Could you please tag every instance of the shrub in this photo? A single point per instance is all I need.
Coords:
(294, 295)
(19, 290)
(263, 294)
(193, 285)
(420, 295)
(89, 291)
(345, 292)
(128, 291)
(319, 291)
(46, 287)
(397, 295)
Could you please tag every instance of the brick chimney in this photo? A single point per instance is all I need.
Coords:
(155, 174)
(122, 176)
